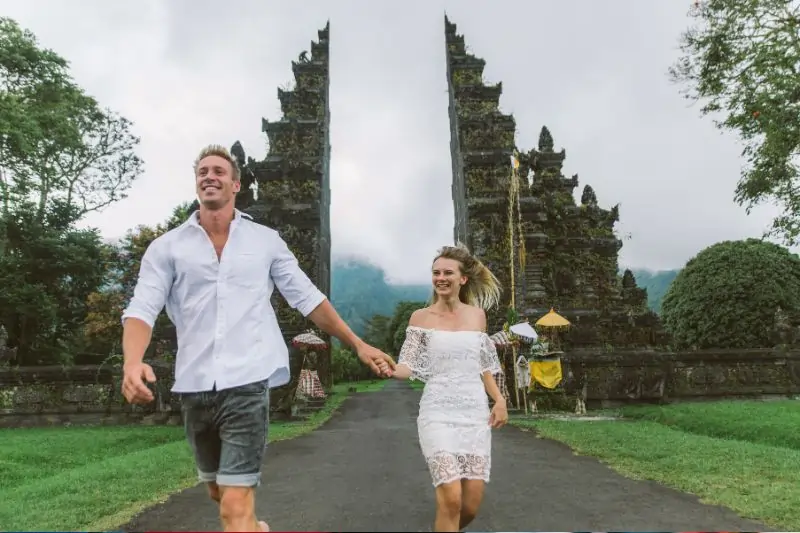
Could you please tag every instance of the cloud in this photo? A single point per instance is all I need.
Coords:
(192, 72)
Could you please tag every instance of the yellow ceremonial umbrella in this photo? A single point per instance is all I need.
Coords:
(547, 372)
(552, 320)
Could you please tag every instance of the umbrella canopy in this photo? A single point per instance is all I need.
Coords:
(552, 320)
(309, 339)
(524, 330)
(501, 339)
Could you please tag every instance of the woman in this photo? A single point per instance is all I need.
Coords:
(447, 347)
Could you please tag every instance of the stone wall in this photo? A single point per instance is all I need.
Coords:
(643, 376)
(90, 394)
(54, 395)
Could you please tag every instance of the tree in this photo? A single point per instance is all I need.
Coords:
(730, 295)
(101, 327)
(742, 59)
(56, 144)
(62, 156)
(31, 78)
(399, 323)
(46, 274)
(377, 332)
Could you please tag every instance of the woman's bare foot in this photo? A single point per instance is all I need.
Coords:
(263, 525)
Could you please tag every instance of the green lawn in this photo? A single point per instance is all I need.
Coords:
(744, 455)
(96, 478)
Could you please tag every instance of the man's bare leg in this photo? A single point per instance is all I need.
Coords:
(243, 419)
(213, 491)
(237, 510)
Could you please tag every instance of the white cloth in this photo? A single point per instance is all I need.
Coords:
(228, 334)
(523, 373)
(453, 422)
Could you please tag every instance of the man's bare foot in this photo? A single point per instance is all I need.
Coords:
(263, 525)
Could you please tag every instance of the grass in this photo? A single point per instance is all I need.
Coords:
(96, 478)
(743, 455)
(774, 423)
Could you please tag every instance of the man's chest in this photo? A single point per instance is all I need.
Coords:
(234, 262)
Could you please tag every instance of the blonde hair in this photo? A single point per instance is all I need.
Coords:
(482, 288)
(219, 151)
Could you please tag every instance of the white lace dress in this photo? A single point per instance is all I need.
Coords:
(453, 422)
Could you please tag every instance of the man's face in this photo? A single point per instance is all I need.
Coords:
(214, 181)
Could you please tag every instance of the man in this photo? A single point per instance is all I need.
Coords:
(215, 274)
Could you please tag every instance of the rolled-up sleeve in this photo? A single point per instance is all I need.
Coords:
(299, 291)
(153, 286)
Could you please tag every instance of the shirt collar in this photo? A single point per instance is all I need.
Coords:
(194, 219)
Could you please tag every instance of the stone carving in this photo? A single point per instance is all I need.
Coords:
(481, 143)
(571, 250)
(588, 198)
(293, 184)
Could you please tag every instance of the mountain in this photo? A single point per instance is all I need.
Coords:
(656, 283)
(359, 291)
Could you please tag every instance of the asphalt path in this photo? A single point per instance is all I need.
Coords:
(363, 471)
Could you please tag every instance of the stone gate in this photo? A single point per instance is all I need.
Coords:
(293, 193)
(570, 251)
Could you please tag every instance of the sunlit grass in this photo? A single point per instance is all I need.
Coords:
(95, 478)
(743, 455)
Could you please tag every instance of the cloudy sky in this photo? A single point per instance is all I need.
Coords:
(193, 72)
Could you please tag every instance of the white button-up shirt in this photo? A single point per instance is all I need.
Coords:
(228, 333)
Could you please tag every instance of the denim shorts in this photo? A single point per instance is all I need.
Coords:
(227, 431)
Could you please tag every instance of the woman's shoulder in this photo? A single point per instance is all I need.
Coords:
(418, 318)
(474, 310)
(476, 317)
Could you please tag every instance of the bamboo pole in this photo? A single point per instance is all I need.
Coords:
(512, 192)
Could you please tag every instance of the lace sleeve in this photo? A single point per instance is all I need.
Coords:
(489, 360)
(414, 354)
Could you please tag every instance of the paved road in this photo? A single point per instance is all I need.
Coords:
(363, 471)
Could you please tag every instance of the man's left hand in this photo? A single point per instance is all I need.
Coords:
(373, 357)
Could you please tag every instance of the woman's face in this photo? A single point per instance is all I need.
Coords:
(447, 277)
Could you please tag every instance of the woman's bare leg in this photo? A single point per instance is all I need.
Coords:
(471, 498)
(448, 506)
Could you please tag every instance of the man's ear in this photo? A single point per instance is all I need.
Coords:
(237, 186)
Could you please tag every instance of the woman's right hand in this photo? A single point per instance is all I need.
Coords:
(384, 368)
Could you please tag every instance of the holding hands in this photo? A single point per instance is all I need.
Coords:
(380, 363)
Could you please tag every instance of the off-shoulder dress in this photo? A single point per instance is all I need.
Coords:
(453, 423)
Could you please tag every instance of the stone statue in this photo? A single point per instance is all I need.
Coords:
(588, 197)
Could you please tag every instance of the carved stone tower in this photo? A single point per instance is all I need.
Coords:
(572, 259)
(294, 194)
(481, 145)
(570, 250)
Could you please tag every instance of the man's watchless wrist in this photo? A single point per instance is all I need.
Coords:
(358, 344)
